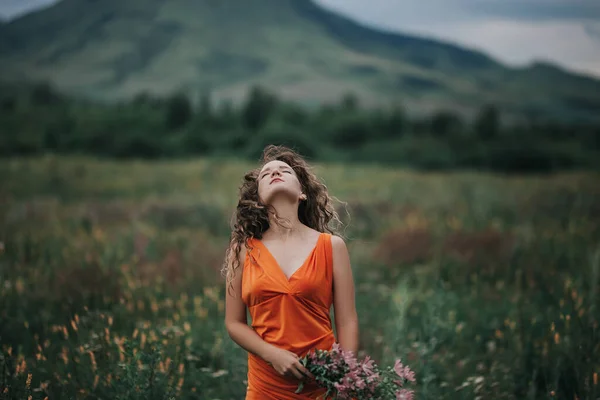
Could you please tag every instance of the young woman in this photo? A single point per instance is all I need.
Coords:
(287, 268)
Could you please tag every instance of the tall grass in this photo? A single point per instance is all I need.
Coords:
(487, 286)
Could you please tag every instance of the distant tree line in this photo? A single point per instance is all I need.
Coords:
(37, 119)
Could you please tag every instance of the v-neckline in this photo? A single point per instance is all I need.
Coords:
(306, 259)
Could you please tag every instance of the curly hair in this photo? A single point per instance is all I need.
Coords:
(251, 217)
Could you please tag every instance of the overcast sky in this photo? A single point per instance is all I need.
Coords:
(566, 32)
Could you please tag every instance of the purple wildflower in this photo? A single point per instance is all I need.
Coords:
(340, 370)
(404, 372)
(403, 394)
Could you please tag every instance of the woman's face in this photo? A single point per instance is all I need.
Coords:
(278, 178)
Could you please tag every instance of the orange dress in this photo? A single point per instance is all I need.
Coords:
(292, 314)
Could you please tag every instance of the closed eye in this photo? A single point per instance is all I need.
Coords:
(267, 173)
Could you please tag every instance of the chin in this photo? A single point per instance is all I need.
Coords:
(280, 193)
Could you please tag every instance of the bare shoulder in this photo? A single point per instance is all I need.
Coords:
(338, 244)
(241, 258)
(342, 270)
(341, 258)
(242, 254)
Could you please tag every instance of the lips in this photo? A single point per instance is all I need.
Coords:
(276, 180)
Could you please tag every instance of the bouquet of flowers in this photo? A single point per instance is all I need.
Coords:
(345, 377)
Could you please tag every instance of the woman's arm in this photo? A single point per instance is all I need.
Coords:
(346, 319)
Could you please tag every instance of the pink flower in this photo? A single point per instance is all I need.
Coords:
(373, 378)
(367, 365)
(404, 372)
(319, 362)
(340, 387)
(351, 363)
(344, 388)
(349, 359)
(403, 394)
(399, 368)
(341, 371)
(409, 375)
(336, 348)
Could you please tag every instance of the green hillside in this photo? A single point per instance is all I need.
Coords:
(114, 49)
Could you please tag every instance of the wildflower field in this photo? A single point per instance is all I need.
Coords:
(487, 286)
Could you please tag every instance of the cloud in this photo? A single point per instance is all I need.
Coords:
(516, 32)
(431, 11)
(593, 31)
(13, 8)
(515, 42)
(392, 13)
(535, 10)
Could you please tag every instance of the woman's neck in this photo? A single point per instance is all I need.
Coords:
(287, 213)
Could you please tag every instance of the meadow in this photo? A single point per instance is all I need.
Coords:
(486, 285)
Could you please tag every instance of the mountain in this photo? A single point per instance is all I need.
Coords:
(112, 49)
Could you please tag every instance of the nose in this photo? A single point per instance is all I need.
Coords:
(276, 172)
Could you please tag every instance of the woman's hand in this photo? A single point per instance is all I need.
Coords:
(287, 363)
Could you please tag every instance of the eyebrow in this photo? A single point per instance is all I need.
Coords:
(269, 169)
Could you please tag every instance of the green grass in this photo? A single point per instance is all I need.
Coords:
(486, 285)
